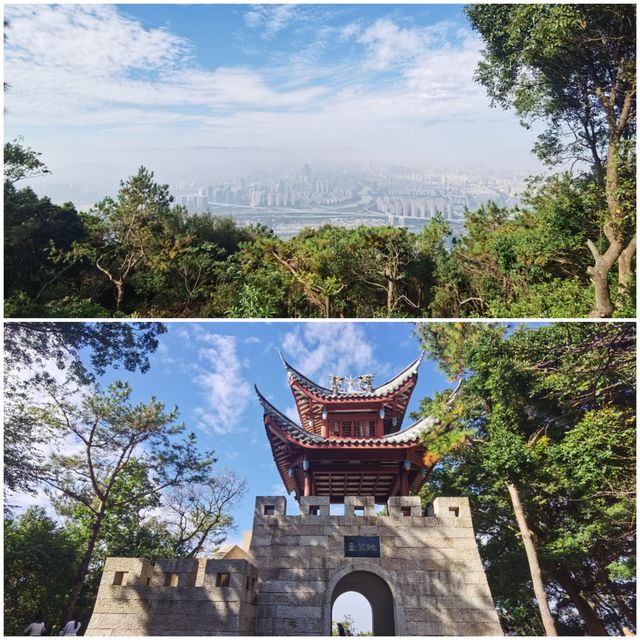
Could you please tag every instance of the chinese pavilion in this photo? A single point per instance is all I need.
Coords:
(350, 442)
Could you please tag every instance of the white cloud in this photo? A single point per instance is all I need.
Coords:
(388, 43)
(225, 391)
(75, 67)
(319, 350)
(69, 64)
(90, 39)
(292, 413)
(270, 19)
(22, 501)
(444, 74)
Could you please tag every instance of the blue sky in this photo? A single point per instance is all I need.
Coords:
(208, 371)
(100, 89)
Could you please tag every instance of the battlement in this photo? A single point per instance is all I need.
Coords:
(171, 573)
(138, 597)
(447, 511)
(420, 569)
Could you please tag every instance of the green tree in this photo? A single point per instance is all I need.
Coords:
(104, 344)
(84, 350)
(40, 558)
(382, 258)
(573, 67)
(314, 259)
(184, 275)
(21, 162)
(124, 232)
(551, 411)
(522, 262)
(110, 433)
(34, 229)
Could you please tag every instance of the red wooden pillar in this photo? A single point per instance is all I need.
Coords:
(308, 490)
(325, 423)
(404, 478)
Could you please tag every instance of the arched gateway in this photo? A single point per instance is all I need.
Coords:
(421, 573)
(375, 589)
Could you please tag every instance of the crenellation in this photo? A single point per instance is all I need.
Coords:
(296, 566)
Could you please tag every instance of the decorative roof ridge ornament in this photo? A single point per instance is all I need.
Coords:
(336, 384)
(341, 385)
(366, 381)
(388, 387)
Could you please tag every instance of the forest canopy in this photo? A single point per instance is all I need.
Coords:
(546, 415)
(140, 256)
(566, 251)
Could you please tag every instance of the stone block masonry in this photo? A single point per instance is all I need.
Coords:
(175, 597)
(422, 575)
(428, 580)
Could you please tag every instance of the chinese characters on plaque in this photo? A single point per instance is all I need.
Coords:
(362, 547)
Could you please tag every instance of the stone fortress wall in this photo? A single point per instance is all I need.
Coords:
(177, 597)
(427, 580)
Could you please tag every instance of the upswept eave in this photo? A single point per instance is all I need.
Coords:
(381, 391)
(305, 438)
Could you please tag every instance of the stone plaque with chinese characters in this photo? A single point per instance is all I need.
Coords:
(362, 547)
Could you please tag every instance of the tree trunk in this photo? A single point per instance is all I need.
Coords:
(119, 294)
(83, 570)
(603, 307)
(599, 272)
(625, 268)
(390, 296)
(625, 611)
(534, 566)
(594, 624)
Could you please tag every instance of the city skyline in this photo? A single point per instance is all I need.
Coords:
(190, 91)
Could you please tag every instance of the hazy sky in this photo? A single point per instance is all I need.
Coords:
(194, 90)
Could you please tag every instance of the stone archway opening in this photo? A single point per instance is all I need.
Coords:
(377, 593)
(354, 609)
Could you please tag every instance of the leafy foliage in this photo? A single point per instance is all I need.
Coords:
(21, 162)
(84, 350)
(518, 263)
(573, 68)
(40, 558)
(160, 261)
(115, 466)
(551, 410)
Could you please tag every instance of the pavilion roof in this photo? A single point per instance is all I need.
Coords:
(288, 441)
(382, 391)
(306, 438)
(312, 399)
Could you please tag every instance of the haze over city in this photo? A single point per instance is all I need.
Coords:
(201, 93)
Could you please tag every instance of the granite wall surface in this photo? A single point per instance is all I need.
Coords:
(427, 580)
